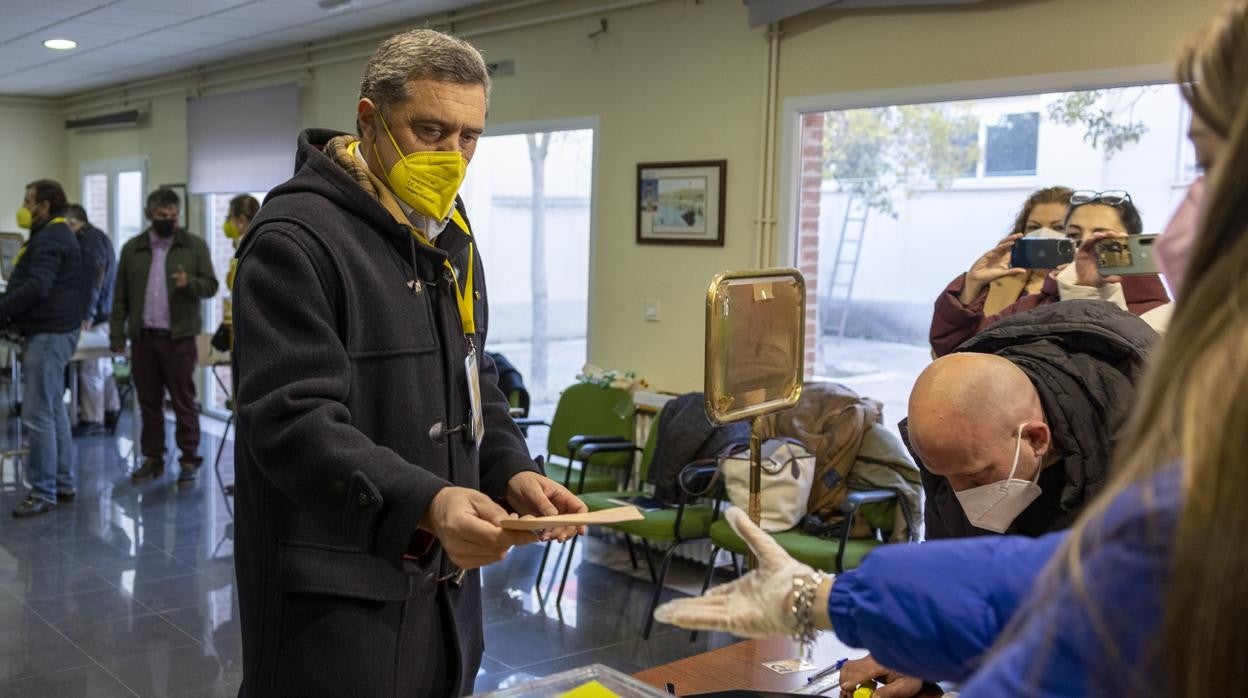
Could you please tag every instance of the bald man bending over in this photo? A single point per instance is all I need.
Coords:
(1014, 433)
(977, 424)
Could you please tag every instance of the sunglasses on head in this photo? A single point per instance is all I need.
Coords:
(1113, 197)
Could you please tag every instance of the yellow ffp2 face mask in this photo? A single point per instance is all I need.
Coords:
(428, 181)
(24, 218)
(230, 230)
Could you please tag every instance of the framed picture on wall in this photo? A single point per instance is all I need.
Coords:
(180, 190)
(681, 203)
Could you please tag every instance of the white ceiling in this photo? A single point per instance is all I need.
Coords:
(124, 40)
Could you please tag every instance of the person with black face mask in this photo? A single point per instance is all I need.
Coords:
(162, 278)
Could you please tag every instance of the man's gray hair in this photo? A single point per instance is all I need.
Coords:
(421, 54)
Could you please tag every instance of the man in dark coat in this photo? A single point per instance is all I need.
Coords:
(369, 487)
(1054, 385)
(45, 300)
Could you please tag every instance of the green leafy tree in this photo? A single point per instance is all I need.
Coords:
(878, 152)
(1101, 114)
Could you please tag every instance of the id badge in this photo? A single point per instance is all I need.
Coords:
(476, 420)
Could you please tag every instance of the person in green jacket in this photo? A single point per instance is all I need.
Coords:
(162, 278)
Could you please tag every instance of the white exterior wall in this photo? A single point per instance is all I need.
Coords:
(937, 234)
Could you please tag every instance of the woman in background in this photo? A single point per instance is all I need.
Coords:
(990, 284)
(242, 209)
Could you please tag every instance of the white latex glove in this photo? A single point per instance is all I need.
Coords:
(757, 605)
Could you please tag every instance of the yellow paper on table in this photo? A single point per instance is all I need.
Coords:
(593, 689)
(594, 518)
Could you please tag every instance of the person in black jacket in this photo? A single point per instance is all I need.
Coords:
(1014, 432)
(98, 393)
(369, 485)
(45, 298)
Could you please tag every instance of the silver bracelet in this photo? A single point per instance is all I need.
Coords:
(804, 590)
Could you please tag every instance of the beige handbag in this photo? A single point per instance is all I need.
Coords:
(788, 474)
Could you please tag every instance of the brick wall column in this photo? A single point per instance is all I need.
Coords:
(811, 181)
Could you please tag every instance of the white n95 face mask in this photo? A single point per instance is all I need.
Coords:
(993, 507)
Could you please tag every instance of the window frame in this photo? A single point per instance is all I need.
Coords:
(783, 248)
(112, 168)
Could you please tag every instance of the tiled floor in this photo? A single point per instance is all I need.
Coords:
(129, 591)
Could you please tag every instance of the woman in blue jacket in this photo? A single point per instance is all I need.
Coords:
(1144, 596)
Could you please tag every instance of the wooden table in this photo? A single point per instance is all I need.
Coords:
(740, 667)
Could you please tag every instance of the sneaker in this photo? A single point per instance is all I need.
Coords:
(186, 477)
(65, 497)
(33, 506)
(87, 429)
(152, 467)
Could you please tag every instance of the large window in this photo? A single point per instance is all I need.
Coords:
(113, 195)
(901, 199)
(216, 208)
(529, 200)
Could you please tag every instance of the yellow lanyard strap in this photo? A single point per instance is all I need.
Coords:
(59, 219)
(464, 298)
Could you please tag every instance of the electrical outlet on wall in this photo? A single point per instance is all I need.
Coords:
(651, 313)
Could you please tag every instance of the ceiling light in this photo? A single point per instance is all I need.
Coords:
(61, 44)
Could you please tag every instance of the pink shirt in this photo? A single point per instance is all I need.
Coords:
(156, 296)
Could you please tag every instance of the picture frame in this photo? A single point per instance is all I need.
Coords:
(681, 203)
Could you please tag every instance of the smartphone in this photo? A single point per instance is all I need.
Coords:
(1042, 253)
(1126, 256)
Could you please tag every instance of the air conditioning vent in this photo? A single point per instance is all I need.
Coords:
(122, 119)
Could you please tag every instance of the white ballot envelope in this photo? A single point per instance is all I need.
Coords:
(596, 518)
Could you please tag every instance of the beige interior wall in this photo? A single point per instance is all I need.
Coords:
(829, 52)
(32, 140)
(683, 80)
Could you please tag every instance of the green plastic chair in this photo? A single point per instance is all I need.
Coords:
(588, 413)
(877, 507)
(585, 414)
(673, 526)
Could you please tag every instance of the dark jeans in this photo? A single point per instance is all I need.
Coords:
(162, 364)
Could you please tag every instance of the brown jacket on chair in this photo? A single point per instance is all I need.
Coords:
(831, 421)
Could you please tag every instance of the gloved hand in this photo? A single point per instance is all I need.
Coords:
(759, 604)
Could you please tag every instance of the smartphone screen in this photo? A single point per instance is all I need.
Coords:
(1126, 256)
(1030, 253)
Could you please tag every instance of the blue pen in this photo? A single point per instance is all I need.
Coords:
(830, 670)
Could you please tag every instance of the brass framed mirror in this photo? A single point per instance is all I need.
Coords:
(755, 353)
(755, 343)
